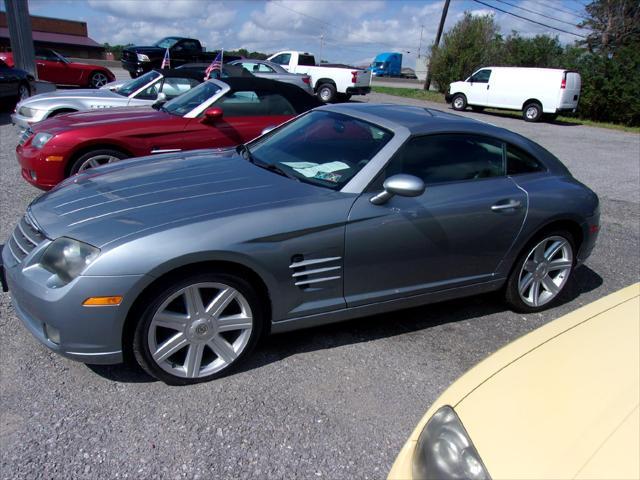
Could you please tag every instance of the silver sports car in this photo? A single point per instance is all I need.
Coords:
(182, 261)
(273, 71)
(143, 90)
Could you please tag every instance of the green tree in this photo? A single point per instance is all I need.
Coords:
(539, 51)
(613, 24)
(473, 42)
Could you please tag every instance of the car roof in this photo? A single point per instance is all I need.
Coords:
(301, 99)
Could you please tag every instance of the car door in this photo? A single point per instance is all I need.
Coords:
(50, 67)
(455, 234)
(478, 88)
(245, 115)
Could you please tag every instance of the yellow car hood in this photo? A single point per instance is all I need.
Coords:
(561, 402)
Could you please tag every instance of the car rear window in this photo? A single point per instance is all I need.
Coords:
(307, 60)
(519, 161)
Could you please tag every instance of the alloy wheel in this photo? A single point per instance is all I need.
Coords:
(200, 330)
(545, 271)
(97, 161)
(98, 80)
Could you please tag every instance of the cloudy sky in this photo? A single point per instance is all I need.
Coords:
(353, 31)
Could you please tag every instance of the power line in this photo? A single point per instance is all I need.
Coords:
(570, 12)
(300, 13)
(529, 20)
(537, 13)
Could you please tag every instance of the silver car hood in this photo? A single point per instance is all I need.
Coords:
(80, 94)
(120, 201)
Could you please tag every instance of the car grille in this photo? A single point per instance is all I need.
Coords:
(25, 238)
(24, 136)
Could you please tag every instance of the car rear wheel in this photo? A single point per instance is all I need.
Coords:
(326, 93)
(459, 102)
(541, 272)
(198, 329)
(24, 92)
(96, 158)
(532, 112)
(98, 79)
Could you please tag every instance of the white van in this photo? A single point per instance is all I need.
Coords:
(535, 91)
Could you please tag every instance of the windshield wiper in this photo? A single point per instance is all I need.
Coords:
(246, 153)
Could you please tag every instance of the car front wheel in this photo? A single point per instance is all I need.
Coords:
(459, 102)
(23, 92)
(541, 272)
(96, 158)
(198, 329)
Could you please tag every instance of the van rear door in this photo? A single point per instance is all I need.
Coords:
(570, 90)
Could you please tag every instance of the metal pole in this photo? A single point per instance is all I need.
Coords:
(20, 35)
(420, 44)
(321, 47)
(427, 83)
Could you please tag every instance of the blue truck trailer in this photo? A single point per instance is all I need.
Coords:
(388, 64)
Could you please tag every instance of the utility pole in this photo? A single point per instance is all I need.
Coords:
(420, 44)
(445, 9)
(321, 46)
(20, 36)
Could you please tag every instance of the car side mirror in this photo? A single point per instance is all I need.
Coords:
(161, 99)
(266, 130)
(402, 185)
(212, 114)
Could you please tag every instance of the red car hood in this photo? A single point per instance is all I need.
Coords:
(112, 116)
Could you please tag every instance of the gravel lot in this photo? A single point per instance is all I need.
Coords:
(332, 402)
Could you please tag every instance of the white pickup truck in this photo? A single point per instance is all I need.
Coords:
(331, 83)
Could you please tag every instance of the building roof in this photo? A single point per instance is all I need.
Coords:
(57, 38)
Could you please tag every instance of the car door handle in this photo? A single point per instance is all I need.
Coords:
(487, 86)
(505, 206)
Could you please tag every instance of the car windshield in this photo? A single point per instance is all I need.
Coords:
(186, 102)
(167, 42)
(322, 148)
(137, 83)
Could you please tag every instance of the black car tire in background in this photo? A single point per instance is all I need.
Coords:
(199, 332)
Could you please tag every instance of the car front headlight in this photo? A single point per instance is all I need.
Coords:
(445, 451)
(27, 112)
(142, 57)
(68, 258)
(40, 139)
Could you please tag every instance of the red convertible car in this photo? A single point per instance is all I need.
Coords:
(216, 113)
(55, 68)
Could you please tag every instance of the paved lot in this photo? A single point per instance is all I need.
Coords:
(333, 402)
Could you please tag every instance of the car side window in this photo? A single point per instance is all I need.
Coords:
(257, 67)
(481, 77)
(449, 158)
(282, 59)
(174, 86)
(518, 162)
(42, 54)
(149, 93)
(189, 45)
(248, 103)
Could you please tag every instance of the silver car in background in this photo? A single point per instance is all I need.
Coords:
(141, 91)
(273, 71)
(183, 260)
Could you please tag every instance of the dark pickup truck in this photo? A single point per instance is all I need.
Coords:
(139, 60)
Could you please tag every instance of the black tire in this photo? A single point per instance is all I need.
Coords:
(133, 75)
(532, 112)
(511, 291)
(459, 102)
(326, 93)
(78, 164)
(344, 97)
(24, 91)
(477, 109)
(98, 79)
(140, 344)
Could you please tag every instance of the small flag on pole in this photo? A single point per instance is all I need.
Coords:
(215, 65)
(166, 63)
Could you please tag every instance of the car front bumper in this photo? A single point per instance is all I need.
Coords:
(136, 67)
(39, 171)
(57, 319)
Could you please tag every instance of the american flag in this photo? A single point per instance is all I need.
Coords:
(216, 64)
(166, 63)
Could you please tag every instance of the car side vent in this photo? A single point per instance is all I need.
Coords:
(308, 272)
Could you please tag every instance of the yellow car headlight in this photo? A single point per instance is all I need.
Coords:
(444, 450)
